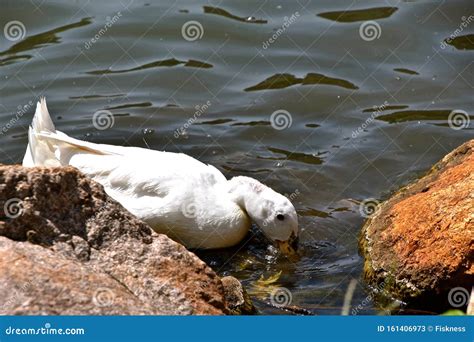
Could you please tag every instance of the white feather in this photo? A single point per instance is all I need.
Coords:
(174, 193)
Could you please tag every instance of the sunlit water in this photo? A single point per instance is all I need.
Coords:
(211, 94)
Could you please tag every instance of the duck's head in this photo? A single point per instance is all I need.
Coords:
(276, 217)
(272, 212)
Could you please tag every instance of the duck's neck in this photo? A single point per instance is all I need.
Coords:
(245, 192)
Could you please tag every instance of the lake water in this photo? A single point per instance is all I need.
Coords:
(368, 95)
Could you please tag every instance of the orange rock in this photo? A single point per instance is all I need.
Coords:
(420, 243)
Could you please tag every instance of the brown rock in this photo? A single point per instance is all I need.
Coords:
(419, 244)
(63, 234)
(34, 280)
(238, 300)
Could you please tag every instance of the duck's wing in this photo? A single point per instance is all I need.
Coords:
(149, 183)
(136, 177)
(146, 172)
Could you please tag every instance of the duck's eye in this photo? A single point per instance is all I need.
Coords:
(280, 217)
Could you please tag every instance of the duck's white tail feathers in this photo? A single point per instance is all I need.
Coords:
(48, 147)
(38, 151)
(42, 120)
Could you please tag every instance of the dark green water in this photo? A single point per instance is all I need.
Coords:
(220, 90)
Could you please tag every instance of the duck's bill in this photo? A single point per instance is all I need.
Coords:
(289, 246)
(285, 247)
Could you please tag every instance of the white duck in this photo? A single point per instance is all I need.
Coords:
(174, 193)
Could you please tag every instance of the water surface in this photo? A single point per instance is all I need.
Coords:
(367, 116)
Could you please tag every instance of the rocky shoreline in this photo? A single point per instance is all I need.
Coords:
(68, 248)
(419, 245)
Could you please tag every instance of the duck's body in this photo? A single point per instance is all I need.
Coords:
(174, 193)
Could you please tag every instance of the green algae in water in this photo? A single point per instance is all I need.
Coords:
(465, 42)
(313, 78)
(161, 63)
(359, 15)
(298, 156)
(198, 64)
(95, 96)
(43, 39)
(14, 59)
(131, 105)
(406, 71)
(253, 123)
(279, 81)
(38, 41)
(383, 108)
(215, 122)
(454, 312)
(314, 212)
(224, 13)
(415, 115)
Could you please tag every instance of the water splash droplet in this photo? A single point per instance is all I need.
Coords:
(148, 131)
